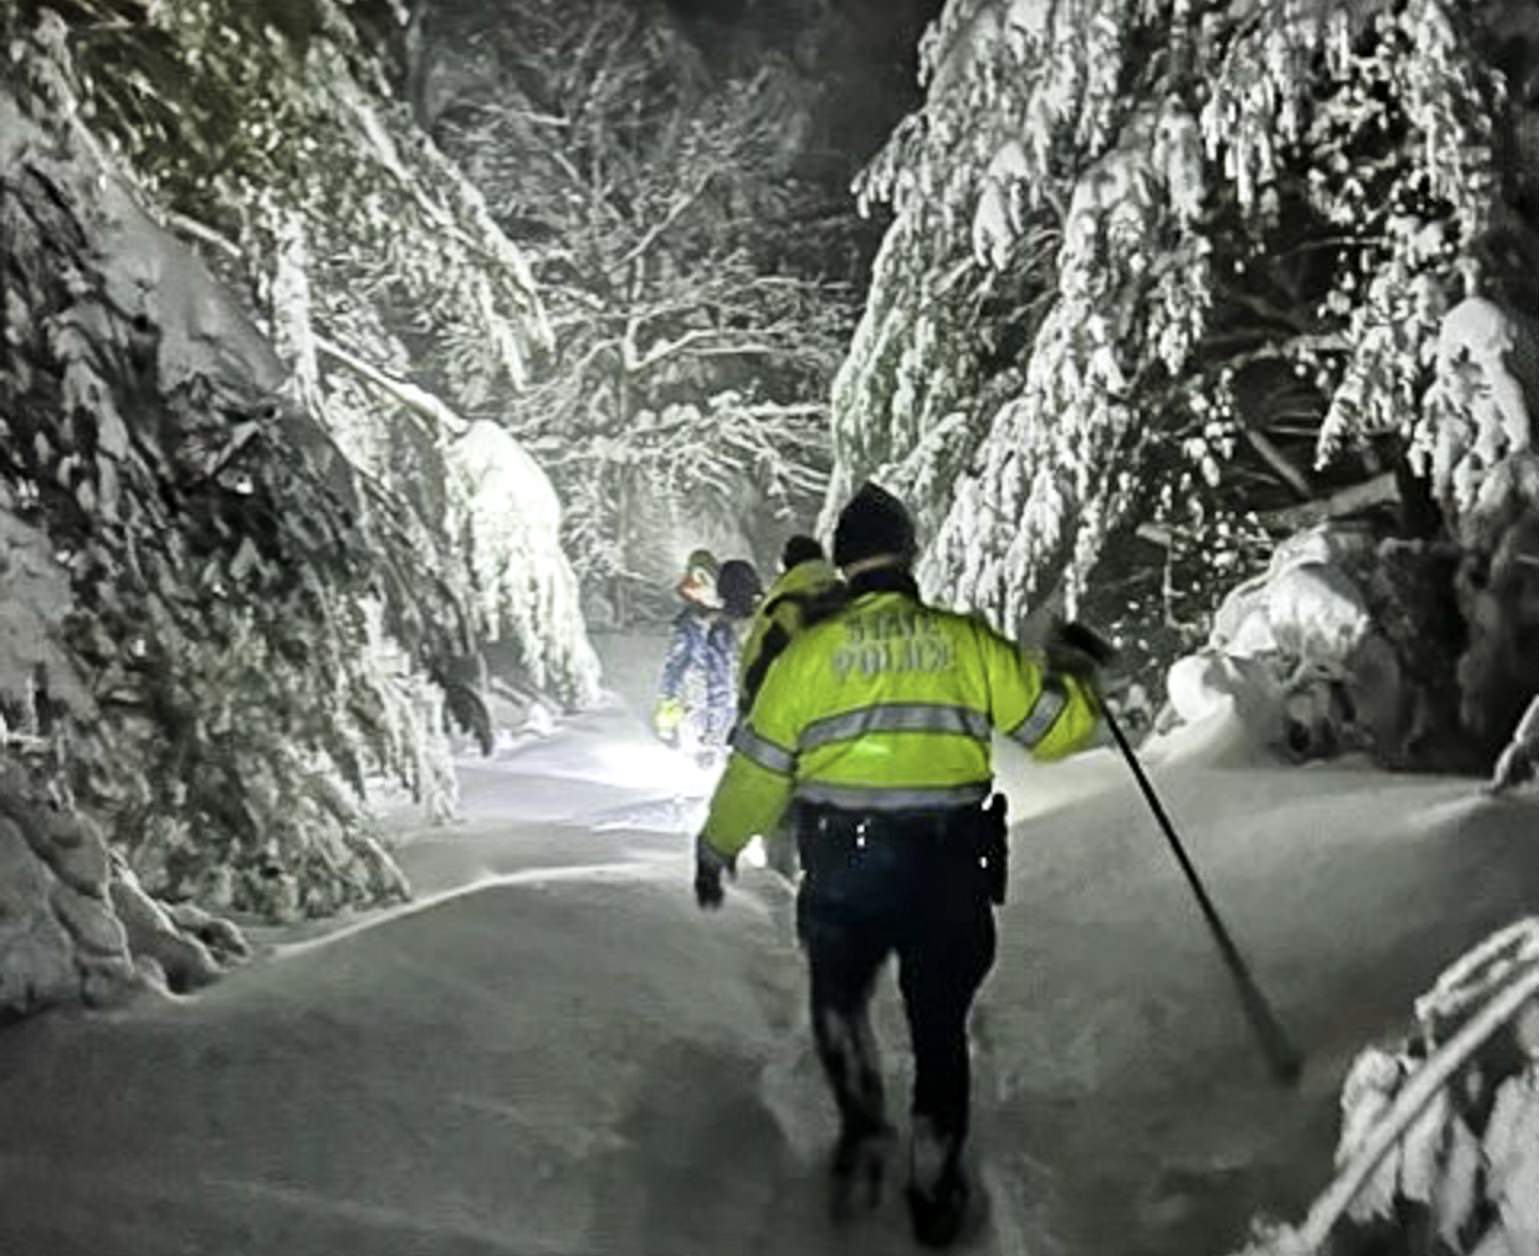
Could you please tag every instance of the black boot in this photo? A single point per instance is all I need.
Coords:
(937, 1189)
(937, 1216)
(858, 1170)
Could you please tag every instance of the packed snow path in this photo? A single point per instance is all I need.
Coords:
(552, 1051)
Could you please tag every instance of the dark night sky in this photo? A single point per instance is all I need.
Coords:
(862, 52)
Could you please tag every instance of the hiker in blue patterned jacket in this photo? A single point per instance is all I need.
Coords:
(704, 642)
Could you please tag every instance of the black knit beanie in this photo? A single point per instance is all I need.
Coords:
(739, 588)
(800, 549)
(874, 522)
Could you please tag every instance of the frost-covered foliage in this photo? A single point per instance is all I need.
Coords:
(271, 124)
(1483, 399)
(1439, 1145)
(505, 521)
(267, 132)
(685, 267)
(278, 570)
(213, 540)
(1164, 270)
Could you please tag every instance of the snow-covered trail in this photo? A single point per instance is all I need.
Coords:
(553, 1052)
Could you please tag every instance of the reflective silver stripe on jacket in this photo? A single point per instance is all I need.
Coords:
(761, 750)
(892, 798)
(1047, 708)
(896, 717)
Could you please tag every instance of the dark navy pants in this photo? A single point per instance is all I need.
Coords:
(910, 886)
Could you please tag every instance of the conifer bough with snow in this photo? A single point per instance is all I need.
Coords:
(1166, 277)
(267, 548)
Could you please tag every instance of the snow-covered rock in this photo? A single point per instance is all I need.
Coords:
(37, 954)
(1319, 675)
(1204, 684)
(1498, 591)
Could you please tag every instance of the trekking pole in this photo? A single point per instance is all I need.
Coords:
(1283, 1058)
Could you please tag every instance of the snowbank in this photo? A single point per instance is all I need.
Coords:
(1440, 1137)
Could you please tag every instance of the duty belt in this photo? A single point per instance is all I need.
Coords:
(846, 824)
(979, 833)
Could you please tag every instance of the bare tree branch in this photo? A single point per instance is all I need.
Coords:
(1380, 489)
(1280, 463)
(684, 201)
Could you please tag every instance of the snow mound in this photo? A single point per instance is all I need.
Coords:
(564, 1062)
(1442, 1135)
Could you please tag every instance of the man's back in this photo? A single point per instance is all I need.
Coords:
(780, 618)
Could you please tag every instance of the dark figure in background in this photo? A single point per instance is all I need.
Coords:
(806, 589)
(739, 590)
(799, 594)
(876, 722)
(703, 643)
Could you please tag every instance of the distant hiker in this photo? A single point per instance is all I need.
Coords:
(739, 590)
(876, 724)
(805, 583)
(703, 643)
(805, 575)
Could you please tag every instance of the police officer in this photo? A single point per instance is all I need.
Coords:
(805, 581)
(806, 588)
(876, 724)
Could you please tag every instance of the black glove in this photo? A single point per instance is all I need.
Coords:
(709, 865)
(1077, 650)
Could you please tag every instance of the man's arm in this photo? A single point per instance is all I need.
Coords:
(756, 787)
(1051, 711)
(750, 798)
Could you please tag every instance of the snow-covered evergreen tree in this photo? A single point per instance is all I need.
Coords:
(277, 146)
(282, 559)
(1165, 273)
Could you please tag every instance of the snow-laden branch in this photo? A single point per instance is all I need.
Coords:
(1424, 1086)
(416, 399)
(190, 226)
(644, 245)
(663, 350)
(1374, 492)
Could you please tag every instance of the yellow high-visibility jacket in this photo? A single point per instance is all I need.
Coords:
(889, 706)
(779, 618)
